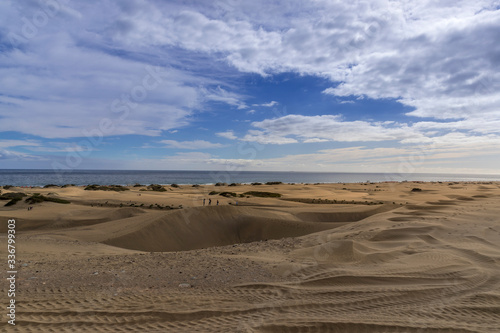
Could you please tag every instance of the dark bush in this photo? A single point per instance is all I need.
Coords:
(50, 185)
(6, 187)
(157, 188)
(13, 197)
(213, 193)
(95, 187)
(37, 198)
(220, 184)
(175, 185)
(256, 183)
(263, 194)
(416, 189)
(228, 194)
(274, 183)
(11, 203)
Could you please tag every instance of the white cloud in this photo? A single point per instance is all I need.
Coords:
(326, 128)
(267, 138)
(437, 57)
(313, 140)
(267, 105)
(7, 155)
(228, 135)
(196, 144)
(18, 143)
(223, 96)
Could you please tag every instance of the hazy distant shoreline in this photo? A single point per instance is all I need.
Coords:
(130, 177)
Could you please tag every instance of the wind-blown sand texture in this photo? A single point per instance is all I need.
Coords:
(383, 258)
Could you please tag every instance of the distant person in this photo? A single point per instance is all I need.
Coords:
(203, 202)
(217, 202)
(209, 202)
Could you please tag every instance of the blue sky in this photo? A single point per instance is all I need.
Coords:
(341, 86)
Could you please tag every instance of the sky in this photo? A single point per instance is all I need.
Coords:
(327, 86)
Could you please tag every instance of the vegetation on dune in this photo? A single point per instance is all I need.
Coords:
(175, 185)
(220, 184)
(274, 183)
(256, 183)
(50, 185)
(263, 194)
(37, 198)
(12, 197)
(95, 187)
(6, 187)
(213, 193)
(228, 194)
(156, 187)
(68, 185)
(416, 189)
(328, 201)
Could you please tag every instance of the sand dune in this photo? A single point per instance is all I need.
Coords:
(424, 261)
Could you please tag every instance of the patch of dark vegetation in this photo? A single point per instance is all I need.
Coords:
(12, 197)
(228, 194)
(175, 185)
(163, 207)
(213, 193)
(50, 185)
(220, 184)
(37, 198)
(263, 194)
(156, 187)
(116, 188)
(234, 184)
(274, 183)
(256, 183)
(67, 185)
(138, 185)
(6, 187)
(416, 189)
(195, 185)
(328, 201)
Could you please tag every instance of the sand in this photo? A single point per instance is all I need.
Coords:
(380, 258)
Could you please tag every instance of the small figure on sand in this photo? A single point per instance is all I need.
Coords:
(217, 202)
(203, 201)
(209, 202)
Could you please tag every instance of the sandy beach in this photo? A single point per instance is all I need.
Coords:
(373, 257)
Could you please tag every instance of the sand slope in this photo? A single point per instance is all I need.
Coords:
(430, 262)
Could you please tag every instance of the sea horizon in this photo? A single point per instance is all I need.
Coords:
(42, 177)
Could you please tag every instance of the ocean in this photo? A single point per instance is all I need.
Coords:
(130, 177)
